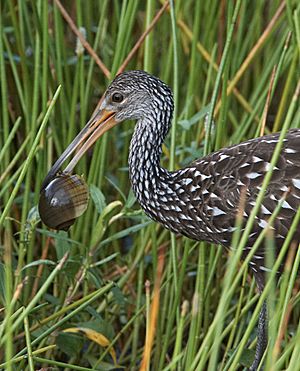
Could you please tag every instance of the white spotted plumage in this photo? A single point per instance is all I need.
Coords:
(203, 199)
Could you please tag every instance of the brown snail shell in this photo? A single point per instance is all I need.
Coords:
(63, 200)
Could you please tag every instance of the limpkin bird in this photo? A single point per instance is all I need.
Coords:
(201, 200)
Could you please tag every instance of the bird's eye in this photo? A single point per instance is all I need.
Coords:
(117, 97)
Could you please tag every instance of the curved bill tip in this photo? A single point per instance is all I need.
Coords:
(101, 122)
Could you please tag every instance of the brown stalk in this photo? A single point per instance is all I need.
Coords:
(267, 105)
(205, 54)
(142, 37)
(232, 83)
(253, 52)
(145, 364)
(40, 268)
(137, 45)
(83, 41)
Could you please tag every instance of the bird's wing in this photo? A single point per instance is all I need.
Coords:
(222, 177)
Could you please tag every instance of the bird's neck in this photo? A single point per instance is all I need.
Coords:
(159, 191)
(148, 178)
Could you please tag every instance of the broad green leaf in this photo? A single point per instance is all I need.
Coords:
(98, 198)
(186, 124)
(95, 336)
(39, 262)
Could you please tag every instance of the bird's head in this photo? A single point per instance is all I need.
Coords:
(132, 95)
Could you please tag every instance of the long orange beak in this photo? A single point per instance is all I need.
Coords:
(101, 122)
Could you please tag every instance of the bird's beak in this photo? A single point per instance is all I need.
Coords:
(102, 121)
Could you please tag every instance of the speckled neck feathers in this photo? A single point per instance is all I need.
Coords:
(147, 177)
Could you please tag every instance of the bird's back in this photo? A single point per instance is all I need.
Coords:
(212, 189)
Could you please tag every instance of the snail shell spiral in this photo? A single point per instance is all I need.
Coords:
(63, 200)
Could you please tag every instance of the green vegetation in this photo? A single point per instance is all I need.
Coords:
(243, 74)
